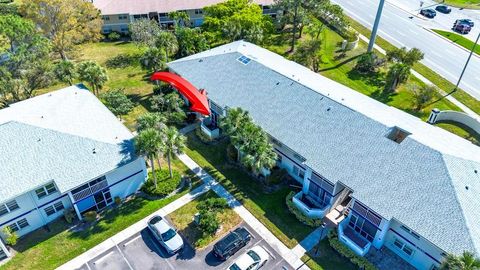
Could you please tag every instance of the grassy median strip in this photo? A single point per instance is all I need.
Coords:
(468, 4)
(432, 76)
(458, 39)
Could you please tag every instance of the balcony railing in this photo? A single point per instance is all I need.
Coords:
(352, 239)
(308, 208)
(90, 190)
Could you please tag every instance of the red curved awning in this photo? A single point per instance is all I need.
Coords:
(198, 98)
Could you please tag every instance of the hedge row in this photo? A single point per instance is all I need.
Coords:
(312, 222)
(346, 252)
(165, 184)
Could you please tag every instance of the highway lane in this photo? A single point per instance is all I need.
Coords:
(399, 29)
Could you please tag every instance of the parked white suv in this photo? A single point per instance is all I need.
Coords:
(165, 234)
(253, 259)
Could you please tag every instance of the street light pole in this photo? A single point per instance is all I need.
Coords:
(375, 25)
(464, 67)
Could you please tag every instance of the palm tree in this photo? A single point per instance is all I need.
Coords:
(467, 261)
(65, 71)
(263, 157)
(153, 121)
(167, 42)
(180, 18)
(174, 144)
(93, 74)
(149, 143)
(235, 119)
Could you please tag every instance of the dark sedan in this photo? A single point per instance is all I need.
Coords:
(465, 21)
(429, 13)
(231, 243)
(443, 9)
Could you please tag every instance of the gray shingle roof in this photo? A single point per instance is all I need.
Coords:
(52, 137)
(342, 135)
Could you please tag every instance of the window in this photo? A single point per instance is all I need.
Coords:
(412, 233)
(400, 245)
(295, 170)
(8, 207)
(243, 59)
(106, 18)
(397, 134)
(52, 209)
(162, 15)
(319, 194)
(122, 17)
(301, 174)
(46, 190)
(17, 226)
(363, 227)
(198, 11)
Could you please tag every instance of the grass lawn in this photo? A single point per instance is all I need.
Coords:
(48, 250)
(183, 221)
(459, 39)
(328, 259)
(470, 4)
(269, 208)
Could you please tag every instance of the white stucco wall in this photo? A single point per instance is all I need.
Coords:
(130, 185)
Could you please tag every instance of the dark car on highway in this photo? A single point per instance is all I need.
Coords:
(231, 243)
(464, 21)
(428, 12)
(443, 9)
(462, 28)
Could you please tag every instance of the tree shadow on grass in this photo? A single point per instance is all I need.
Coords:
(143, 100)
(346, 61)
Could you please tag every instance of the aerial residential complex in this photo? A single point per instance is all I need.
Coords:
(383, 178)
(118, 14)
(62, 150)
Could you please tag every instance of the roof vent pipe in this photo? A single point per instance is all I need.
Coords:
(94, 151)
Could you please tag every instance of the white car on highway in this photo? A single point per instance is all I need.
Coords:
(253, 259)
(165, 234)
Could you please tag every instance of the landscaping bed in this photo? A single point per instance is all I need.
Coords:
(326, 258)
(269, 208)
(183, 219)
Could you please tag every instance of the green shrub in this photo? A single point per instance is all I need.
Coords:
(11, 237)
(114, 36)
(202, 136)
(165, 184)
(123, 61)
(213, 205)
(208, 222)
(312, 222)
(277, 176)
(346, 252)
(90, 216)
(232, 153)
(117, 200)
(69, 215)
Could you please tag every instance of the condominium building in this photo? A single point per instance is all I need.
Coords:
(385, 180)
(118, 14)
(62, 150)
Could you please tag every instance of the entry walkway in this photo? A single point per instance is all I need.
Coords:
(288, 254)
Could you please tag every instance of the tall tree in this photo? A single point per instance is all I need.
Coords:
(190, 41)
(236, 19)
(117, 102)
(404, 56)
(65, 23)
(167, 42)
(149, 143)
(155, 121)
(403, 60)
(16, 30)
(235, 119)
(144, 32)
(154, 59)
(309, 54)
(422, 95)
(174, 144)
(93, 74)
(65, 71)
(180, 18)
(467, 261)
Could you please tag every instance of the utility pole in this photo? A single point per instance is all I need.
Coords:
(375, 25)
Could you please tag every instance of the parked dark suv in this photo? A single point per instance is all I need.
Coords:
(462, 28)
(429, 13)
(443, 9)
(231, 243)
(464, 21)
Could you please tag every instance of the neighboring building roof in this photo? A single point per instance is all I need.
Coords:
(53, 137)
(112, 7)
(342, 134)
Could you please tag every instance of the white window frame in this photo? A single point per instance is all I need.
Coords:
(46, 191)
(18, 226)
(403, 246)
(54, 208)
(8, 208)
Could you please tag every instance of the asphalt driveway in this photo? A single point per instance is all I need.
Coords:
(142, 252)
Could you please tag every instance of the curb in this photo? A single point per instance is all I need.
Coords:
(452, 42)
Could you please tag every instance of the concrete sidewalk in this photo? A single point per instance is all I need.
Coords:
(289, 255)
(133, 229)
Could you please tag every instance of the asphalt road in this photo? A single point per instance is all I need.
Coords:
(398, 28)
(142, 252)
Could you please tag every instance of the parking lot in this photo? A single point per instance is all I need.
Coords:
(141, 251)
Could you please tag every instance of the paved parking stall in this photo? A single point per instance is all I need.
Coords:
(141, 251)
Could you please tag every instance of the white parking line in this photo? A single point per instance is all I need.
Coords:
(269, 252)
(123, 256)
(88, 266)
(160, 251)
(131, 241)
(103, 258)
